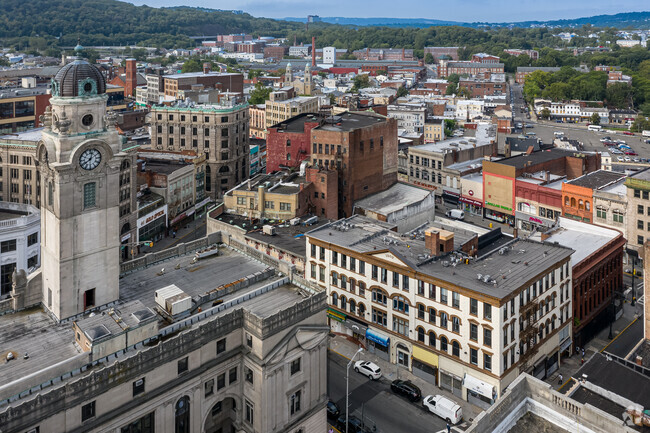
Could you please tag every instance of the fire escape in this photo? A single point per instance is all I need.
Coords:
(528, 335)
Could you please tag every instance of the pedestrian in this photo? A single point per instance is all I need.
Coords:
(577, 350)
(583, 352)
(582, 361)
(448, 428)
(559, 379)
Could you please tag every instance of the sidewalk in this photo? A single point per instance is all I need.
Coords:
(475, 219)
(346, 347)
(184, 234)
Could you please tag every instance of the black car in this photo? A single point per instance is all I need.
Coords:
(355, 425)
(407, 389)
(332, 410)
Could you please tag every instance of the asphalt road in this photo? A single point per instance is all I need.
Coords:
(389, 413)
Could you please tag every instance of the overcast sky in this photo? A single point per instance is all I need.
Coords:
(455, 10)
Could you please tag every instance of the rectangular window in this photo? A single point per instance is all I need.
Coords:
(487, 337)
(89, 298)
(7, 246)
(375, 272)
(405, 283)
(138, 387)
(295, 366)
(639, 240)
(400, 326)
(183, 365)
(88, 411)
(232, 375)
(473, 307)
(248, 374)
(395, 279)
(285, 206)
(89, 195)
(221, 346)
(384, 275)
(487, 362)
(249, 340)
(455, 324)
(455, 299)
(294, 402)
(221, 381)
(362, 267)
(473, 331)
(443, 296)
(487, 311)
(640, 209)
(639, 224)
(473, 356)
(209, 387)
(249, 412)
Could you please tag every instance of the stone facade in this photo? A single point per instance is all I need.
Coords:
(219, 131)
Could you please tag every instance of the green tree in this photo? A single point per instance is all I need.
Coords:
(451, 89)
(259, 94)
(360, 81)
(463, 92)
(594, 119)
(450, 126)
(545, 114)
(4, 61)
(402, 92)
(618, 95)
(453, 78)
(640, 124)
(191, 65)
(428, 59)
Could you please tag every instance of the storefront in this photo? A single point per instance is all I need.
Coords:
(471, 206)
(153, 225)
(499, 216)
(402, 355)
(356, 328)
(552, 363)
(425, 365)
(539, 369)
(530, 222)
(201, 206)
(378, 344)
(450, 198)
(479, 393)
(451, 383)
(335, 318)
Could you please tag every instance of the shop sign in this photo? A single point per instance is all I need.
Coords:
(160, 212)
(499, 206)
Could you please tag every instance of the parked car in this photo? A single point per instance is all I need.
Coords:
(456, 214)
(407, 389)
(443, 407)
(636, 160)
(368, 368)
(628, 133)
(620, 158)
(630, 152)
(628, 159)
(604, 139)
(355, 425)
(332, 410)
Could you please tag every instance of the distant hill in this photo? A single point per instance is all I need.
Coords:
(638, 20)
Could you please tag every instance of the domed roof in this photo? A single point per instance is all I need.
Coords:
(78, 78)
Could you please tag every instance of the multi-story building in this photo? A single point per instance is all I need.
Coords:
(20, 240)
(276, 52)
(18, 173)
(218, 131)
(471, 331)
(446, 68)
(578, 194)
(300, 50)
(429, 164)
(376, 54)
(469, 109)
(610, 204)
(279, 107)
(155, 87)
(21, 108)
(485, 58)
(500, 177)
(410, 117)
(638, 211)
(289, 143)
(480, 87)
(442, 53)
(434, 130)
(360, 149)
(257, 120)
(597, 263)
(533, 54)
(226, 82)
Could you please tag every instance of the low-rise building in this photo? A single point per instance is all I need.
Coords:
(434, 130)
(410, 117)
(446, 68)
(638, 211)
(281, 107)
(533, 54)
(578, 194)
(20, 241)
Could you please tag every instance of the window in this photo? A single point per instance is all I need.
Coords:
(285, 206)
(183, 365)
(144, 424)
(473, 307)
(455, 296)
(249, 412)
(455, 324)
(487, 362)
(432, 316)
(295, 366)
(443, 296)
(400, 326)
(405, 283)
(473, 356)
(249, 340)
(209, 387)
(362, 267)
(455, 349)
(395, 279)
(432, 291)
(400, 304)
(241, 201)
(88, 411)
(7, 246)
(639, 240)
(473, 331)
(384, 275)
(248, 374)
(232, 375)
(269, 204)
(639, 224)
(601, 213)
(421, 312)
(487, 311)
(443, 319)
(637, 193)
(443, 344)
(420, 335)
(138, 387)
(640, 209)
(379, 317)
(487, 337)
(89, 195)
(618, 216)
(379, 296)
(89, 298)
(294, 402)
(375, 272)
(221, 381)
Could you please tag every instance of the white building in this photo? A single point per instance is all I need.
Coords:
(20, 236)
(409, 117)
(469, 325)
(469, 109)
(329, 55)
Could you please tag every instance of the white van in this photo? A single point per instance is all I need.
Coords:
(456, 214)
(444, 408)
(595, 128)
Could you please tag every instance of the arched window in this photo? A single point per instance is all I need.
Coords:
(432, 339)
(443, 319)
(443, 343)
(580, 204)
(421, 335)
(573, 202)
(335, 299)
(353, 306)
(362, 309)
(182, 419)
(344, 303)
(587, 205)
(566, 201)
(288, 157)
(224, 169)
(455, 348)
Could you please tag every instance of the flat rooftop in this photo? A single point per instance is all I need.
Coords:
(200, 74)
(522, 260)
(164, 167)
(350, 120)
(393, 199)
(31, 135)
(19, 92)
(585, 239)
(642, 175)
(597, 179)
(484, 135)
(277, 183)
(521, 161)
(296, 124)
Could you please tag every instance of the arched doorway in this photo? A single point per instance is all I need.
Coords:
(182, 415)
(222, 417)
(126, 250)
(403, 355)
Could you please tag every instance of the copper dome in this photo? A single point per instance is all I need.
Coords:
(78, 78)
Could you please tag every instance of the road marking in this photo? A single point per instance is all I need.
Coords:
(567, 381)
(619, 334)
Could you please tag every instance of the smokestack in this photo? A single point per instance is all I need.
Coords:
(131, 80)
(313, 51)
(207, 67)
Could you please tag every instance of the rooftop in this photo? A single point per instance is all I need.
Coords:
(164, 167)
(31, 135)
(519, 263)
(350, 120)
(296, 124)
(523, 160)
(393, 199)
(484, 134)
(597, 179)
(279, 183)
(585, 239)
(19, 92)
(200, 74)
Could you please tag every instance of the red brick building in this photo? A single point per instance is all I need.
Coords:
(470, 68)
(325, 184)
(479, 87)
(275, 51)
(289, 143)
(485, 58)
(227, 82)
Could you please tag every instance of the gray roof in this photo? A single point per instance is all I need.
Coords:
(521, 161)
(350, 120)
(393, 199)
(523, 262)
(597, 179)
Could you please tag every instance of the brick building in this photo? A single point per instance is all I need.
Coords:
(20, 108)
(275, 51)
(485, 58)
(533, 54)
(446, 68)
(226, 82)
(479, 87)
(442, 53)
(361, 148)
(578, 194)
(289, 143)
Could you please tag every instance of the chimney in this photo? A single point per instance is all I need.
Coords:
(403, 54)
(131, 80)
(313, 51)
(639, 360)
(431, 240)
(207, 67)
(545, 236)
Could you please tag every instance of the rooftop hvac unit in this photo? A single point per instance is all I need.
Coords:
(268, 230)
(173, 300)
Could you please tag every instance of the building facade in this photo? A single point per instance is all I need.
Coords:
(20, 239)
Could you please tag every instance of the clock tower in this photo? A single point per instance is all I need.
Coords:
(79, 159)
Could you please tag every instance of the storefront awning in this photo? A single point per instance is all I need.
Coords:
(478, 386)
(377, 337)
(355, 326)
(565, 344)
(340, 317)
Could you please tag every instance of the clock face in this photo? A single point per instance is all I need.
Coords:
(90, 159)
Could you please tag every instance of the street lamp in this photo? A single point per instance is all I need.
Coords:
(347, 393)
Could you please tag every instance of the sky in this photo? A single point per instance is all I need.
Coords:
(454, 10)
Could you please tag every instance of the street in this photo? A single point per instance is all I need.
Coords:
(376, 402)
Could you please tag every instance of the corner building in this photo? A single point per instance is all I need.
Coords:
(469, 325)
